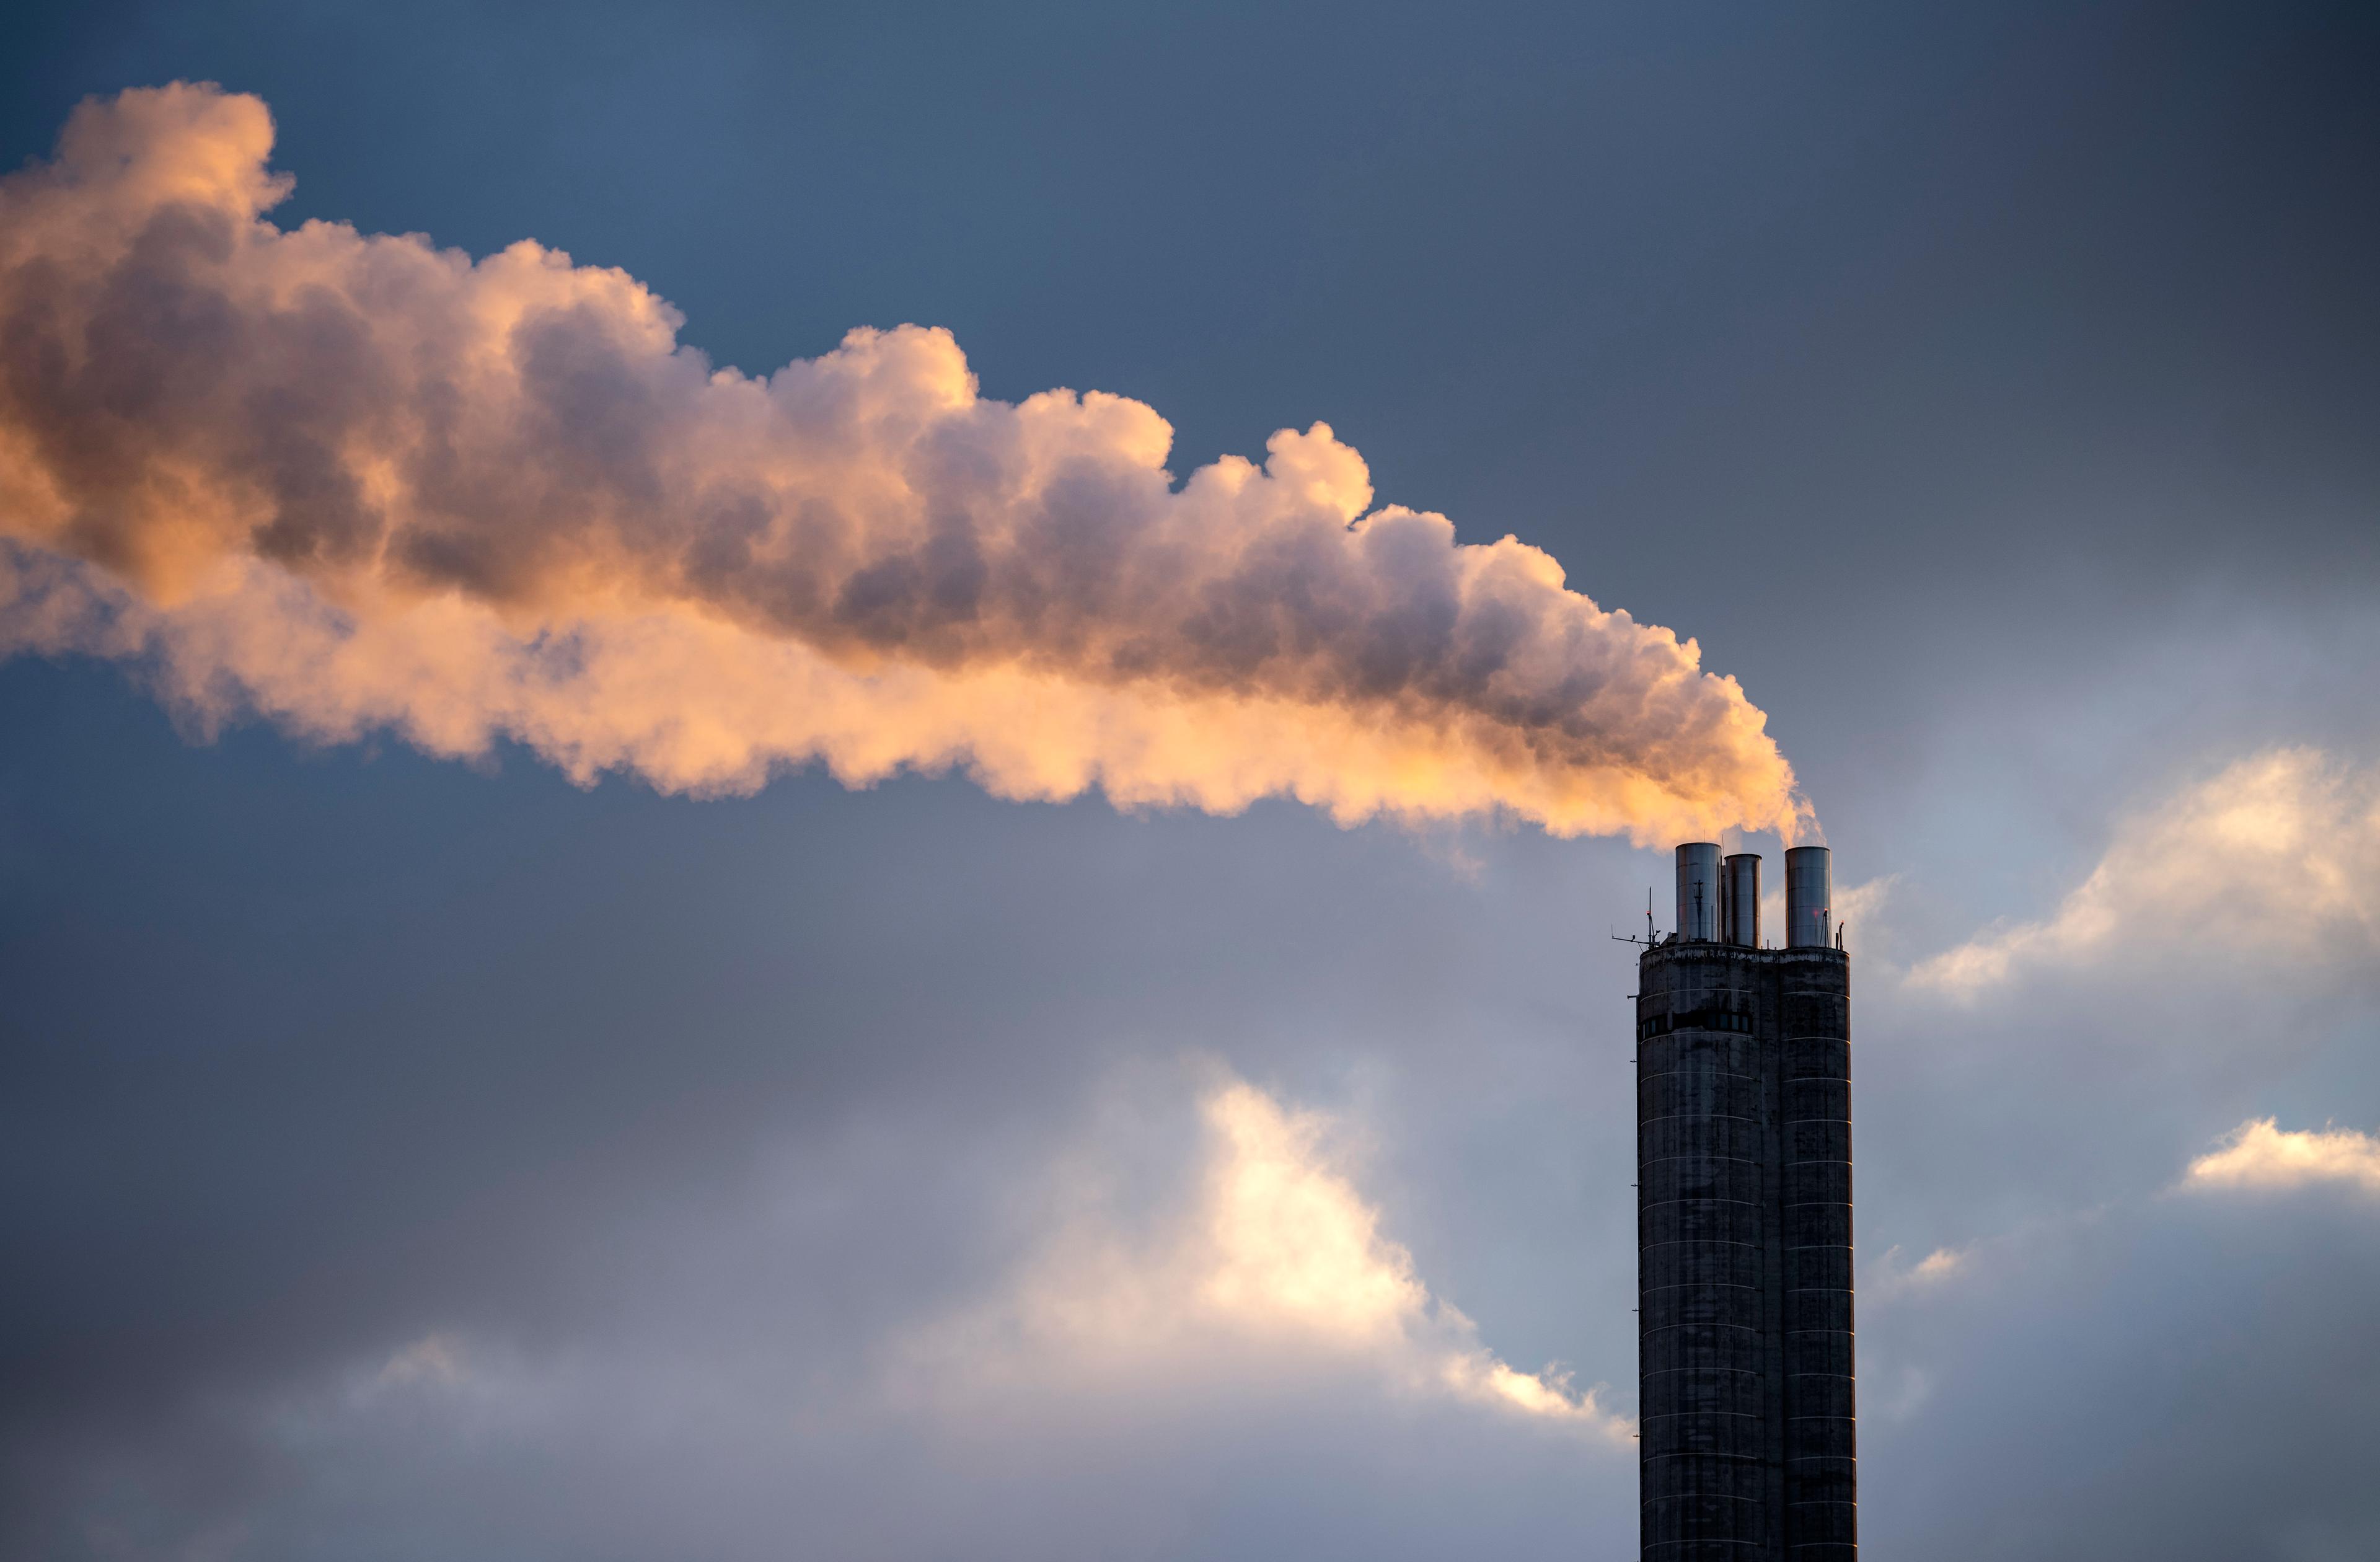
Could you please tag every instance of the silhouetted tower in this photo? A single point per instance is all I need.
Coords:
(1743, 1223)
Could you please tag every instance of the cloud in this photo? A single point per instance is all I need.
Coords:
(1277, 1258)
(1857, 907)
(2261, 1155)
(1894, 1271)
(433, 1359)
(2153, 1331)
(353, 482)
(2276, 857)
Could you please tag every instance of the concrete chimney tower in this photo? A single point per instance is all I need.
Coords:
(1743, 1225)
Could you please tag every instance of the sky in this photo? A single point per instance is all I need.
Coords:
(635, 926)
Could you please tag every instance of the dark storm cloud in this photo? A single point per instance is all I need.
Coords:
(2130, 1371)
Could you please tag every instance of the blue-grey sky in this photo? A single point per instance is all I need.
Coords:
(408, 1148)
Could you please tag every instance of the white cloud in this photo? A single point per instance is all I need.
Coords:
(1858, 907)
(1893, 1276)
(2278, 856)
(1275, 1257)
(433, 1359)
(2259, 1154)
(1855, 907)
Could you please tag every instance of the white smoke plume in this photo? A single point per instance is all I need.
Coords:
(352, 482)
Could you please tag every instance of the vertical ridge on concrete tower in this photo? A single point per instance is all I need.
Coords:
(1743, 1160)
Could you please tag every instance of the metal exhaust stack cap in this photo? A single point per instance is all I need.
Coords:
(1809, 897)
(1698, 890)
(1740, 899)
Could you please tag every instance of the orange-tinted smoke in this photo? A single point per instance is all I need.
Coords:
(356, 483)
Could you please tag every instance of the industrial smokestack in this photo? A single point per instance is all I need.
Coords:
(1746, 1387)
(1809, 897)
(1739, 900)
(1698, 888)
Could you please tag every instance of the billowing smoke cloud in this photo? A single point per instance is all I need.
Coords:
(353, 482)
